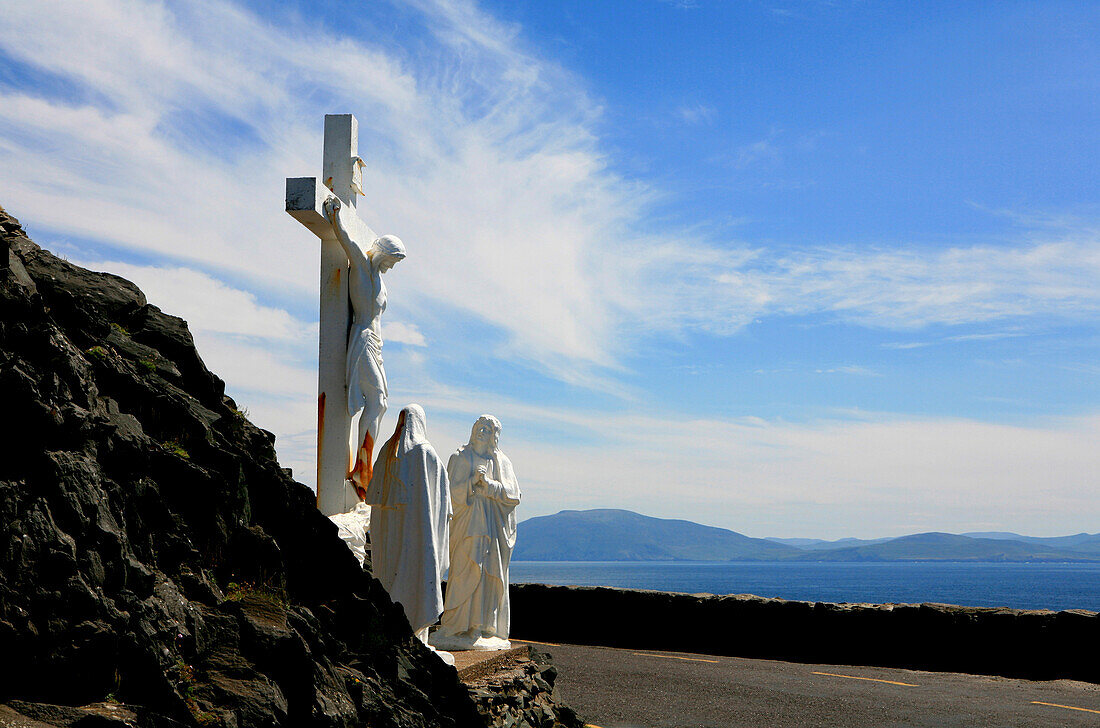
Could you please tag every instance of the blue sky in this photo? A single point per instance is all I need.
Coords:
(791, 268)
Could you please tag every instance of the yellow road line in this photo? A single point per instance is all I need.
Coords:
(872, 679)
(674, 657)
(534, 642)
(1067, 707)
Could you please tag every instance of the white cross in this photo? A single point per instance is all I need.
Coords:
(305, 198)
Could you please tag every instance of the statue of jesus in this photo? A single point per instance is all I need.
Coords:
(366, 378)
(484, 495)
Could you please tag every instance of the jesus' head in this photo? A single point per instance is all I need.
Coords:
(485, 436)
(387, 251)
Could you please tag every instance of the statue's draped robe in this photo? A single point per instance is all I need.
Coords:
(483, 533)
(411, 507)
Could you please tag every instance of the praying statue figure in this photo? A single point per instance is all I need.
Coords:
(485, 494)
(366, 378)
(410, 509)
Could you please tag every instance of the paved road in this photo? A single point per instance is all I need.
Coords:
(614, 688)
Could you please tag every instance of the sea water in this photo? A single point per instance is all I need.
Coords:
(1021, 586)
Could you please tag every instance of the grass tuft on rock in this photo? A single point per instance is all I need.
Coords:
(239, 591)
(173, 446)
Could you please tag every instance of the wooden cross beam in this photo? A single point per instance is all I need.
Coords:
(305, 198)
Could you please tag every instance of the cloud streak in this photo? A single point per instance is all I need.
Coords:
(865, 474)
(208, 304)
(908, 288)
(697, 113)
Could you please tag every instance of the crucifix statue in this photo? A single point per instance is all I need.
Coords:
(351, 382)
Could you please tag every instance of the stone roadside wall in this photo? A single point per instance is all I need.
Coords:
(1036, 645)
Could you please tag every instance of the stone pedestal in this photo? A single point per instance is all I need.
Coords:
(476, 643)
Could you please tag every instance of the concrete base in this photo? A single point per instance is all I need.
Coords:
(468, 642)
(447, 657)
(474, 665)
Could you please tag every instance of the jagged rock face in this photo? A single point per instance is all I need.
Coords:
(521, 693)
(153, 554)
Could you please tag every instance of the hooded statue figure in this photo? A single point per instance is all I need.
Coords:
(485, 494)
(411, 507)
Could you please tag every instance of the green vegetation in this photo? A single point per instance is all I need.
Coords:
(173, 446)
(186, 685)
(98, 353)
(148, 365)
(186, 676)
(120, 328)
(201, 716)
(237, 591)
(186, 672)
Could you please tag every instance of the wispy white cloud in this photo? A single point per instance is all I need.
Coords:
(1090, 368)
(696, 113)
(208, 304)
(992, 336)
(909, 288)
(249, 368)
(761, 150)
(828, 477)
(853, 369)
(402, 333)
(902, 345)
(957, 338)
(860, 473)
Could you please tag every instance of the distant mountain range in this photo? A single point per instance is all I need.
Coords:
(618, 535)
(614, 535)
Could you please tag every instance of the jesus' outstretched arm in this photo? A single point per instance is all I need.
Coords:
(356, 256)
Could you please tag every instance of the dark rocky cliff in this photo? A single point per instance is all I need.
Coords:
(157, 566)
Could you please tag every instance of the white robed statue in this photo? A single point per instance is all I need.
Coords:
(485, 494)
(410, 509)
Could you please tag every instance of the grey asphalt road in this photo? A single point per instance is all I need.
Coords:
(614, 688)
